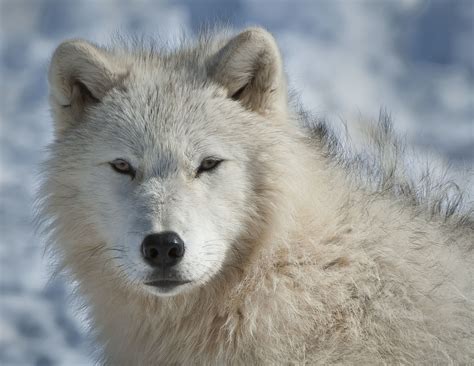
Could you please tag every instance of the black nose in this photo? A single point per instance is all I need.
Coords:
(165, 249)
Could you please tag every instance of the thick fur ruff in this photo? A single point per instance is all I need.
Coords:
(333, 258)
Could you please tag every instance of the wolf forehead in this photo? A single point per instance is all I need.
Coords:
(155, 109)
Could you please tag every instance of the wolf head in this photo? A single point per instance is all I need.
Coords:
(164, 165)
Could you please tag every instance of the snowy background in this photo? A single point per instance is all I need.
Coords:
(347, 58)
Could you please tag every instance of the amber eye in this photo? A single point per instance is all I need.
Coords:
(123, 167)
(208, 164)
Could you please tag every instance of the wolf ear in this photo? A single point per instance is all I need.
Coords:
(80, 74)
(250, 68)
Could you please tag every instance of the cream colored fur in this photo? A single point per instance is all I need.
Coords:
(320, 267)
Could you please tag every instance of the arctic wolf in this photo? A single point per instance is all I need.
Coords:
(205, 223)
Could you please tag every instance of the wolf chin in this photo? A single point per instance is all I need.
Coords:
(207, 220)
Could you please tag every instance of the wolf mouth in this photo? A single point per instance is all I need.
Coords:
(166, 284)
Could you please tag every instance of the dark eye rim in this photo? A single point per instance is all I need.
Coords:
(130, 171)
(215, 163)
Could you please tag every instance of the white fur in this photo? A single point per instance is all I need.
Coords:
(295, 255)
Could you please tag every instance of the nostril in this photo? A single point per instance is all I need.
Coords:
(153, 253)
(174, 253)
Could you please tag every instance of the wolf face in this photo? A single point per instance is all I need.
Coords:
(155, 158)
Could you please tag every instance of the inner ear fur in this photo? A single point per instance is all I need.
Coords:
(250, 68)
(80, 74)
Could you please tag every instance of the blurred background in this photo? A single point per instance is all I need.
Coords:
(347, 59)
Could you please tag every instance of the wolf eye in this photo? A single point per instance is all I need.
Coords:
(208, 164)
(123, 167)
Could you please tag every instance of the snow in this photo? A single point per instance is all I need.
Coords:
(347, 59)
